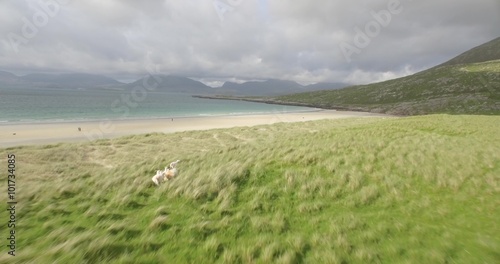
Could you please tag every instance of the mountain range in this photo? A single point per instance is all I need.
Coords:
(60, 81)
(164, 83)
(466, 84)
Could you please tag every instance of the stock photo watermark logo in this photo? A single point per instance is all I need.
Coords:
(222, 7)
(126, 102)
(372, 29)
(44, 10)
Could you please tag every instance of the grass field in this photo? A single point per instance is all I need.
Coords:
(362, 190)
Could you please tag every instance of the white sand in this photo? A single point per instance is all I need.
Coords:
(48, 133)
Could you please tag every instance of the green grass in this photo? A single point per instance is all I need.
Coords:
(489, 66)
(366, 190)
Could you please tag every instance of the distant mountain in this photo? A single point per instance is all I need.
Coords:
(4, 74)
(171, 83)
(9, 78)
(165, 83)
(57, 81)
(467, 84)
(260, 88)
(70, 79)
(270, 87)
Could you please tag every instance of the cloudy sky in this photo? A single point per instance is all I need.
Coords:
(305, 41)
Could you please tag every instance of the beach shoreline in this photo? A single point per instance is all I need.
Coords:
(272, 101)
(40, 133)
(132, 119)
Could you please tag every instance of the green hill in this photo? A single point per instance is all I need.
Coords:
(486, 52)
(366, 190)
(467, 84)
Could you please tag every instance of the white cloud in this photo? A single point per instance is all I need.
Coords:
(365, 77)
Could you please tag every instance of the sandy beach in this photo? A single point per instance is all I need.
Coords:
(49, 133)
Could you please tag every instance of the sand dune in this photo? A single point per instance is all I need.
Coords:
(47, 133)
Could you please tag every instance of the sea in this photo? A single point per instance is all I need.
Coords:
(43, 105)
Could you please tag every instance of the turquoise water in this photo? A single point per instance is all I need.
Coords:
(45, 105)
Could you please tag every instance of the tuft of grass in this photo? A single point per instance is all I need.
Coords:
(361, 190)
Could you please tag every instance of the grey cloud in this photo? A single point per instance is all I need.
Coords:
(296, 40)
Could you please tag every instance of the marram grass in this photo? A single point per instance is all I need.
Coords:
(367, 190)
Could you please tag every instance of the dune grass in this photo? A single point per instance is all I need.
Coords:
(366, 190)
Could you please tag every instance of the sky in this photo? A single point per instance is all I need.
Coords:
(306, 41)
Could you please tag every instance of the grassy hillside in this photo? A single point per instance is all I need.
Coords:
(367, 190)
(454, 87)
(486, 52)
(458, 89)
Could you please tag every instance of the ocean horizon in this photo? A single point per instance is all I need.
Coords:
(37, 105)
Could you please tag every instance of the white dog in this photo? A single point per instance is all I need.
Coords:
(158, 177)
(173, 164)
(167, 174)
(170, 171)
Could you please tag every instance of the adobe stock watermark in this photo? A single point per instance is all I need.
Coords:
(126, 102)
(222, 7)
(372, 29)
(44, 10)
